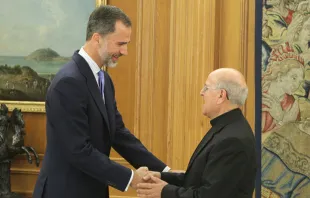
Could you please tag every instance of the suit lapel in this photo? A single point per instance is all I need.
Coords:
(95, 92)
(92, 85)
(203, 143)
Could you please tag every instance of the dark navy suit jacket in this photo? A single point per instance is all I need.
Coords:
(81, 129)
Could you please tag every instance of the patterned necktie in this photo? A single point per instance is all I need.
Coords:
(101, 82)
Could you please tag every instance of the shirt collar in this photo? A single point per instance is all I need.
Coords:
(92, 64)
(227, 118)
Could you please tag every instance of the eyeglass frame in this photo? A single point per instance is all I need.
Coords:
(206, 88)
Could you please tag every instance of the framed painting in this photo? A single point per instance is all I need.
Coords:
(34, 43)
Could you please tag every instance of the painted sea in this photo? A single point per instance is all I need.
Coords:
(32, 50)
(24, 79)
(41, 67)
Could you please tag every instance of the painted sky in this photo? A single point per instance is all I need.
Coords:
(28, 25)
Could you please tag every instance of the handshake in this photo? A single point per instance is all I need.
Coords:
(147, 183)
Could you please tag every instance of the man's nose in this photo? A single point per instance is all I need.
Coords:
(201, 93)
(124, 50)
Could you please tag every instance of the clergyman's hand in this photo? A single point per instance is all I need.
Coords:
(147, 177)
(137, 176)
(151, 190)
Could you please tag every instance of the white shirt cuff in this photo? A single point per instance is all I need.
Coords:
(129, 180)
(167, 169)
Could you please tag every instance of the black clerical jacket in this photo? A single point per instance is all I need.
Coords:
(223, 164)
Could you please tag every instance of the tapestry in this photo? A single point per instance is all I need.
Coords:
(285, 104)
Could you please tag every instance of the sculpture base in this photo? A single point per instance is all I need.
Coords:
(11, 195)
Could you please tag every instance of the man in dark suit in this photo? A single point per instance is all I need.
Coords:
(83, 122)
(224, 163)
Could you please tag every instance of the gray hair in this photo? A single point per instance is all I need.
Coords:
(236, 93)
(102, 20)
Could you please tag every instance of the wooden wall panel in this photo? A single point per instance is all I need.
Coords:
(192, 56)
(152, 75)
(250, 105)
(236, 45)
(124, 74)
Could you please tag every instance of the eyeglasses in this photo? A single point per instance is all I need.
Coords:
(206, 88)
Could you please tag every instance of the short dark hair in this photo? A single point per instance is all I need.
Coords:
(102, 20)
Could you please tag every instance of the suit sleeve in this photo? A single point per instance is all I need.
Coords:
(131, 148)
(223, 171)
(173, 178)
(67, 113)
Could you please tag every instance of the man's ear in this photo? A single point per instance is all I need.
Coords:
(96, 37)
(221, 97)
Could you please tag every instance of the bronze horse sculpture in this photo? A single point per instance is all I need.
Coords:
(11, 144)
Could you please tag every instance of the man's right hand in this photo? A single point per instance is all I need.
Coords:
(138, 175)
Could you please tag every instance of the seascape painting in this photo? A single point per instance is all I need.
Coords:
(36, 41)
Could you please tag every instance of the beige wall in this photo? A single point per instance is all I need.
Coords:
(175, 44)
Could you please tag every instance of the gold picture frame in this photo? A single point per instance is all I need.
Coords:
(33, 106)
